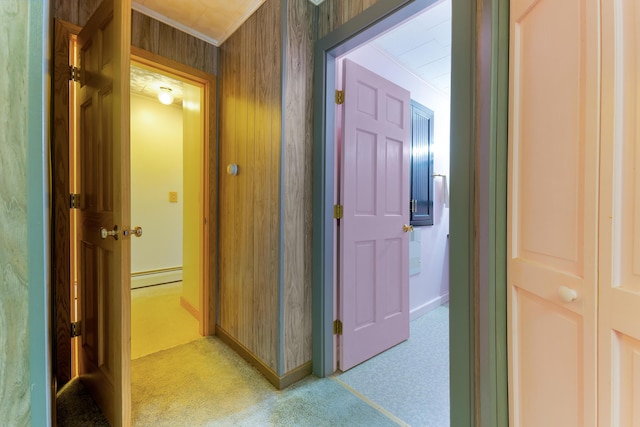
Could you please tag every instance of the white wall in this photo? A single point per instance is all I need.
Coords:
(430, 287)
(156, 169)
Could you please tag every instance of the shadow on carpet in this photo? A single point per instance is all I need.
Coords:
(205, 383)
(76, 408)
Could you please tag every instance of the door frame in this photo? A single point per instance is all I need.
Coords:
(207, 292)
(478, 364)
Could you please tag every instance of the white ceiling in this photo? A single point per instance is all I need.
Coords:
(421, 44)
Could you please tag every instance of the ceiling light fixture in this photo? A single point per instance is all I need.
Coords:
(165, 95)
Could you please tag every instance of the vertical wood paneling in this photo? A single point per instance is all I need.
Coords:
(249, 202)
(166, 41)
(150, 35)
(76, 12)
(334, 13)
(298, 141)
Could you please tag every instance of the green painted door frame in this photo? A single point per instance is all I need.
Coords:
(478, 198)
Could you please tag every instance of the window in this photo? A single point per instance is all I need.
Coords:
(421, 204)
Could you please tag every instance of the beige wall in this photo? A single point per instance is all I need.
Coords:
(156, 169)
(15, 398)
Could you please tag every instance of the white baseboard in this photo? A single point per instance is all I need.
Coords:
(156, 277)
(428, 306)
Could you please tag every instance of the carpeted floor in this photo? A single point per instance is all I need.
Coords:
(204, 383)
(410, 380)
(158, 322)
(76, 408)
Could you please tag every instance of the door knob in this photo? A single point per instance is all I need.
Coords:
(567, 294)
(407, 228)
(133, 232)
(104, 233)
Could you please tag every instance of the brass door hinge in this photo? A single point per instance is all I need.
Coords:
(338, 211)
(74, 73)
(74, 201)
(75, 329)
(337, 327)
(339, 97)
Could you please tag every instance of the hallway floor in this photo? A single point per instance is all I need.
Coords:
(158, 321)
(203, 382)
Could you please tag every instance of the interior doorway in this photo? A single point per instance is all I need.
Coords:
(416, 55)
(167, 179)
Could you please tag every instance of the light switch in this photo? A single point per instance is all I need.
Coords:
(173, 197)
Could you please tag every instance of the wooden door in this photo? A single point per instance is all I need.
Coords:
(104, 262)
(374, 189)
(62, 277)
(552, 212)
(619, 284)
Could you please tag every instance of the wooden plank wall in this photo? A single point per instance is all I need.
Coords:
(297, 185)
(334, 13)
(249, 203)
(150, 35)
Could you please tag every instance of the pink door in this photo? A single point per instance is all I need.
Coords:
(374, 191)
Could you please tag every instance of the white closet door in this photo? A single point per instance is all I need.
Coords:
(552, 213)
(619, 333)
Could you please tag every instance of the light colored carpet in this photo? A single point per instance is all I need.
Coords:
(204, 383)
(158, 321)
(410, 380)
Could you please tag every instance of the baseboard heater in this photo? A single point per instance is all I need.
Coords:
(142, 279)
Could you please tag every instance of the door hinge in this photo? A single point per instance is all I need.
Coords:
(338, 211)
(339, 97)
(75, 329)
(74, 201)
(74, 73)
(413, 205)
(337, 327)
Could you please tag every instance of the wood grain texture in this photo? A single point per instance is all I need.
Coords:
(149, 34)
(61, 213)
(76, 12)
(166, 41)
(250, 136)
(15, 264)
(334, 13)
(298, 145)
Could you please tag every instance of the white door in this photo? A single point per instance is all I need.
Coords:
(619, 356)
(552, 212)
(374, 243)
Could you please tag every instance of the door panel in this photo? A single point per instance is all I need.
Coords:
(374, 258)
(552, 221)
(104, 263)
(619, 352)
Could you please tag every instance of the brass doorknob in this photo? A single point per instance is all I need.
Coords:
(407, 228)
(133, 232)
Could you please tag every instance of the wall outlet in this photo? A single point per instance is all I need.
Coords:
(173, 197)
